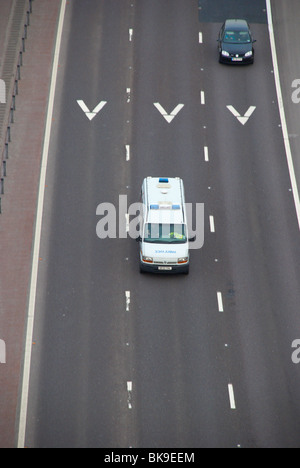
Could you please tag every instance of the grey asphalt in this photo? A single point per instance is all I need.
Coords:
(175, 349)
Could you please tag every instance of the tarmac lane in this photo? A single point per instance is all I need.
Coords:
(123, 359)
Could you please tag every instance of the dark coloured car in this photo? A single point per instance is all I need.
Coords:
(235, 42)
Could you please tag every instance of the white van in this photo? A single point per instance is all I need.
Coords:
(164, 242)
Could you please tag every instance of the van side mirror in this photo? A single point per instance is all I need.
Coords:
(138, 239)
(192, 239)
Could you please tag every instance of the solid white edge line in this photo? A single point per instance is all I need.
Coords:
(231, 396)
(282, 112)
(37, 237)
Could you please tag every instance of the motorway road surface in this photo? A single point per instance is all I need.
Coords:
(122, 359)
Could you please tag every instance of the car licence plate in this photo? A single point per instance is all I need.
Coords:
(237, 59)
(165, 268)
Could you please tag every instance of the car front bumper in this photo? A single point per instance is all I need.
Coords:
(236, 60)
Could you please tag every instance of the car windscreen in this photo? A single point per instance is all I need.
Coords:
(165, 233)
(236, 37)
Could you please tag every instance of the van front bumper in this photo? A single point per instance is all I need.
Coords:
(167, 269)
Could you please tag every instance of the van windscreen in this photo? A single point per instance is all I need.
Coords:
(165, 233)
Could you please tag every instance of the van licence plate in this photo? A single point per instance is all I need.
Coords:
(168, 268)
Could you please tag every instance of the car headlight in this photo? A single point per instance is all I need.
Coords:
(248, 54)
(147, 259)
(225, 53)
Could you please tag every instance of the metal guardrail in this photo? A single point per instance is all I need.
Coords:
(10, 77)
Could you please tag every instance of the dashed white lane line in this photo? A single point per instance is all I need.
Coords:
(200, 38)
(231, 397)
(130, 32)
(127, 221)
(127, 296)
(212, 223)
(129, 394)
(220, 302)
(206, 156)
(127, 149)
(202, 98)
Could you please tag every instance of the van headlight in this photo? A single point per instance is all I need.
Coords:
(147, 259)
(183, 260)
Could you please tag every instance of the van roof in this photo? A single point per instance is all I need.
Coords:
(165, 200)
